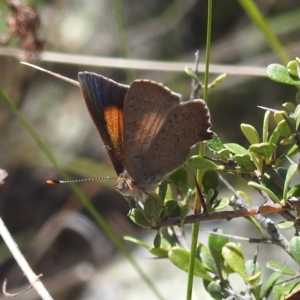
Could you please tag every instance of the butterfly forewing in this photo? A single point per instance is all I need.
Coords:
(105, 101)
(146, 107)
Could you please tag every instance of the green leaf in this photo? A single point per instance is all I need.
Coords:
(270, 184)
(279, 73)
(153, 207)
(191, 73)
(161, 252)
(207, 258)
(221, 204)
(280, 268)
(264, 149)
(215, 143)
(157, 240)
(290, 173)
(293, 291)
(283, 291)
(285, 224)
(289, 140)
(294, 192)
(215, 245)
(136, 241)
(275, 135)
(219, 79)
(180, 257)
(268, 284)
(173, 209)
(258, 160)
(266, 126)
(163, 188)
(277, 292)
(217, 147)
(289, 106)
(245, 198)
(215, 290)
(280, 115)
(245, 162)
(139, 218)
(236, 148)
(184, 212)
(250, 133)
(211, 181)
(282, 129)
(224, 153)
(199, 162)
(295, 248)
(296, 115)
(157, 252)
(180, 179)
(298, 98)
(292, 68)
(253, 275)
(293, 150)
(233, 256)
(265, 189)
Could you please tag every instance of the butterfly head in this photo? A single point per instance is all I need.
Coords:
(126, 186)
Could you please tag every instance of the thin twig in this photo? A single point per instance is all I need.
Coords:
(242, 238)
(226, 215)
(19, 293)
(32, 277)
(137, 64)
(195, 86)
(266, 223)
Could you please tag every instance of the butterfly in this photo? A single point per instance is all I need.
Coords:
(146, 129)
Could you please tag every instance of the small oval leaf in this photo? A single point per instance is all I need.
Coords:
(139, 218)
(265, 189)
(245, 162)
(280, 268)
(180, 179)
(180, 257)
(292, 68)
(199, 162)
(207, 258)
(290, 173)
(211, 180)
(233, 256)
(250, 133)
(295, 248)
(285, 224)
(215, 245)
(236, 148)
(279, 73)
(264, 149)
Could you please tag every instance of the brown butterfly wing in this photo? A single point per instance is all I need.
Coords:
(186, 125)
(105, 101)
(146, 107)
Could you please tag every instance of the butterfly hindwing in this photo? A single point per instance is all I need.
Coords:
(186, 125)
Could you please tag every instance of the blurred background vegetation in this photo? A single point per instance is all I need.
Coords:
(49, 222)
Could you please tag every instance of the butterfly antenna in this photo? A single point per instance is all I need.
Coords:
(50, 181)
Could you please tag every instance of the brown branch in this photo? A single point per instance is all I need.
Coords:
(226, 215)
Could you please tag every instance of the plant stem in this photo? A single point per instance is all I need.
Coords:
(196, 226)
